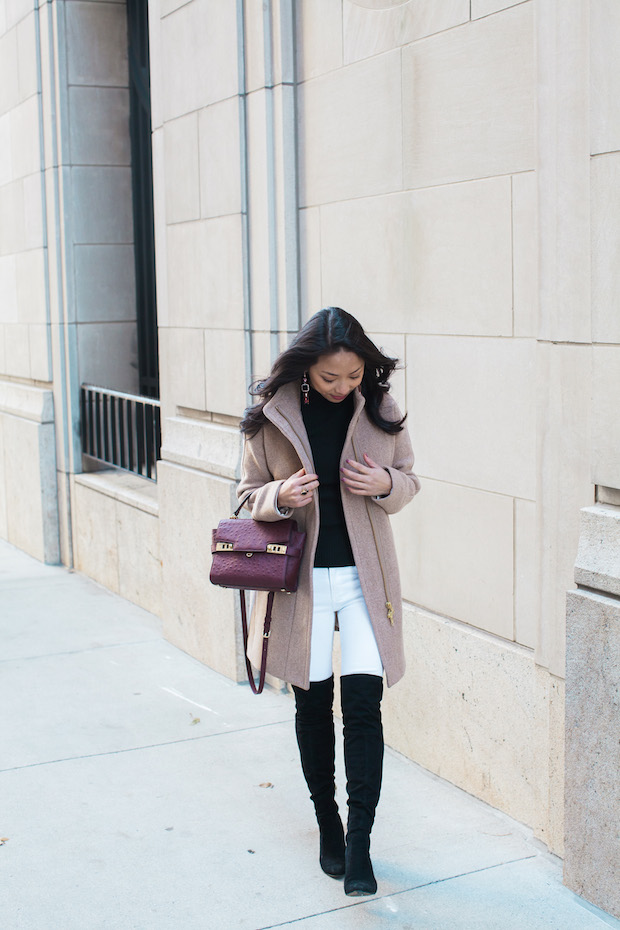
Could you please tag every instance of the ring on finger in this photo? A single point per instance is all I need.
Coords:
(305, 491)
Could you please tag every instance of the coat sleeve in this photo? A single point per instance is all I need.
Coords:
(405, 485)
(256, 478)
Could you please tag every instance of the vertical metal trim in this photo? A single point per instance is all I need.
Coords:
(292, 261)
(244, 181)
(272, 232)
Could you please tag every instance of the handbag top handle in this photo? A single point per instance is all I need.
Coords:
(235, 515)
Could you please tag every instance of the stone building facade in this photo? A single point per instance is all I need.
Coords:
(448, 172)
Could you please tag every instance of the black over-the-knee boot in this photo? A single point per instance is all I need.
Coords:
(363, 756)
(314, 726)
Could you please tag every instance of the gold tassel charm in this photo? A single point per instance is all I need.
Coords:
(390, 612)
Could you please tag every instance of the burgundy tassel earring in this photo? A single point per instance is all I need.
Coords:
(305, 388)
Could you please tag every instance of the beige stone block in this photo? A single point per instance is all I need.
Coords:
(563, 171)
(370, 31)
(591, 866)
(261, 223)
(455, 549)
(564, 484)
(319, 37)
(440, 259)
(99, 125)
(254, 49)
(2, 349)
(30, 482)
(598, 557)
(108, 355)
(459, 259)
(310, 261)
(199, 56)
(95, 536)
(34, 233)
(485, 7)
(220, 166)
(26, 154)
(12, 210)
(40, 352)
(182, 368)
(105, 289)
(468, 101)
(28, 56)
(196, 614)
(9, 71)
(8, 289)
(6, 158)
(605, 423)
(16, 10)
(17, 348)
(365, 256)
(139, 559)
(485, 728)
(203, 445)
(182, 171)
(31, 286)
(604, 78)
(473, 404)
(103, 205)
(526, 574)
(225, 371)
(525, 253)
(26, 402)
(96, 44)
(350, 130)
(205, 273)
(605, 214)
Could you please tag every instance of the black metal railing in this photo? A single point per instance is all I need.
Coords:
(119, 429)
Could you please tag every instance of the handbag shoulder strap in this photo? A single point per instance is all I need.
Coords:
(257, 689)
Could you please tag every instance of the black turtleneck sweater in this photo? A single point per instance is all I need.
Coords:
(326, 424)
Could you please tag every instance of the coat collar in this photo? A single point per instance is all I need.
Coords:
(284, 411)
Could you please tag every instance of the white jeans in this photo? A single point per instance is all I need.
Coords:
(338, 590)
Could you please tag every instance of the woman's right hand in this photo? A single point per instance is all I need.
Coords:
(298, 490)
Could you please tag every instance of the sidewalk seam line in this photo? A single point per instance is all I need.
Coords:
(81, 652)
(118, 752)
(396, 894)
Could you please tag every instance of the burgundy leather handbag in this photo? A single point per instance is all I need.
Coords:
(257, 556)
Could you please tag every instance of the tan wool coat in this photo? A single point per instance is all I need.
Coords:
(278, 450)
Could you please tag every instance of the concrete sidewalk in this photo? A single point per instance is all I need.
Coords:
(141, 791)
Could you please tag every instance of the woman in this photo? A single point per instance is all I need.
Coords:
(326, 444)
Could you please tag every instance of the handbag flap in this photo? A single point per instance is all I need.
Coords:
(278, 538)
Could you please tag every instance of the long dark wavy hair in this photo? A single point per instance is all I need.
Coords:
(326, 332)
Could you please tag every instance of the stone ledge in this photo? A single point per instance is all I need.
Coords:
(598, 558)
(124, 487)
(202, 445)
(26, 401)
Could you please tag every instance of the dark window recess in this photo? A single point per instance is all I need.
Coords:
(142, 184)
(121, 429)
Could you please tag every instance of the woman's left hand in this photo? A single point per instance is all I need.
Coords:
(369, 480)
